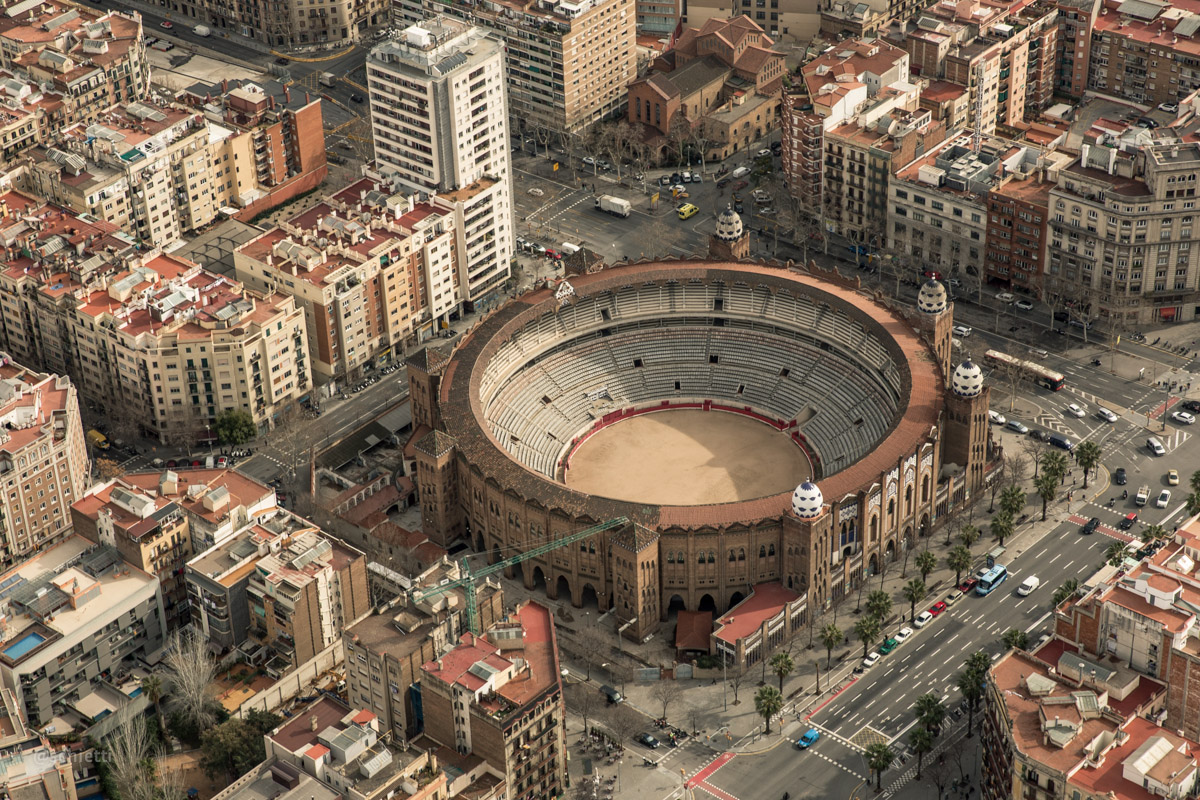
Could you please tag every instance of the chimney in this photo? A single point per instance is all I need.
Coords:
(307, 98)
(271, 102)
(287, 94)
(312, 722)
(224, 85)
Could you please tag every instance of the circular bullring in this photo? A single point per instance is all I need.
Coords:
(823, 370)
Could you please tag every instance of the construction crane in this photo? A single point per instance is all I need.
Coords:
(467, 581)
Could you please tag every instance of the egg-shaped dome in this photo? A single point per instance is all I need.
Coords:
(932, 297)
(729, 225)
(807, 501)
(967, 380)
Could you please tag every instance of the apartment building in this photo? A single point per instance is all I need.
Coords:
(149, 531)
(1058, 724)
(658, 18)
(287, 24)
(439, 118)
(791, 20)
(29, 114)
(375, 271)
(43, 460)
(1145, 52)
(79, 615)
(156, 336)
(1121, 233)
(156, 171)
(33, 767)
(285, 133)
(1018, 233)
(1076, 21)
(1144, 618)
(93, 59)
(499, 696)
(1005, 55)
(347, 750)
(279, 590)
(568, 63)
(833, 88)
(385, 651)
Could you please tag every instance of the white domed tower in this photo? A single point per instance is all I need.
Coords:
(965, 442)
(812, 556)
(935, 318)
(731, 242)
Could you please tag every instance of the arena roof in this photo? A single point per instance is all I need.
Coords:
(463, 415)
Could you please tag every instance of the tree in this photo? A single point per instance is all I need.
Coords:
(879, 604)
(1033, 449)
(291, 439)
(926, 562)
(622, 723)
(1047, 490)
(235, 426)
(109, 468)
(1016, 638)
(1068, 588)
(735, 680)
(920, 741)
(1055, 463)
(959, 560)
(1194, 481)
(930, 712)
(128, 757)
(914, 591)
(1152, 534)
(1002, 527)
(585, 703)
(938, 773)
(879, 758)
(190, 672)
(1114, 554)
(969, 535)
(782, 665)
(666, 693)
(867, 630)
(679, 131)
(970, 684)
(1010, 376)
(1087, 455)
(768, 702)
(152, 687)
(1012, 500)
(831, 636)
(1193, 504)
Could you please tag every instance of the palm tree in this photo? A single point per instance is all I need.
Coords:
(1054, 462)
(1012, 500)
(831, 634)
(152, 687)
(920, 741)
(1152, 534)
(879, 758)
(879, 604)
(970, 683)
(782, 665)
(914, 591)
(1047, 489)
(1002, 527)
(969, 535)
(926, 562)
(768, 702)
(959, 560)
(1194, 482)
(1069, 587)
(1087, 455)
(1015, 638)
(930, 712)
(1114, 554)
(867, 630)
(1193, 504)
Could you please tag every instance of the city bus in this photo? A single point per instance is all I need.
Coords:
(1052, 380)
(991, 579)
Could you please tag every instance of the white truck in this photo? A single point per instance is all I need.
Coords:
(614, 205)
(1143, 494)
(202, 30)
(328, 79)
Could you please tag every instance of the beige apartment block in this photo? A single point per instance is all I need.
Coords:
(292, 23)
(568, 62)
(783, 20)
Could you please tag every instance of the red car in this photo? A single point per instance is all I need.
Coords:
(937, 608)
(933, 274)
(968, 585)
(166, 25)
(737, 187)
(554, 254)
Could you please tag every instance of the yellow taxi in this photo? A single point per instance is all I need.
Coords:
(687, 211)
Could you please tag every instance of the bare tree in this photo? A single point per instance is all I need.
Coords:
(129, 757)
(190, 673)
(666, 692)
(679, 131)
(586, 703)
(1033, 451)
(937, 772)
(1010, 376)
(736, 677)
(592, 646)
(621, 723)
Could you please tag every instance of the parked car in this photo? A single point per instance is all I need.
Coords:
(591, 162)
(1005, 297)
(1017, 425)
(1024, 305)
(1183, 418)
(967, 585)
(937, 608)
(764, 152)
(888, 645)
(871, 660)
(961, 330)
(1170, 108)
(922, 619)
(903, 634)
(996, 418)
(166, 25)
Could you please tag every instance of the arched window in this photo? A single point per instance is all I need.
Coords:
(741, 554)
(891, 507)
(733, 555)
(908, 501)
(771, 550)
(700, 558)
(762, 551)
(712, 557)
(925, 489)
(592, 549)
(670, 557)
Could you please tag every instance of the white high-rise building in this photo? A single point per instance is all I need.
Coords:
(439, 116)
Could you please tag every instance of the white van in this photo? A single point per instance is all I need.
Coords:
(741, 172)
(1156, 447)
(569, 248)
(1029, 586)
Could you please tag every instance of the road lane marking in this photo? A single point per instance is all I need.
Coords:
(1039, 621)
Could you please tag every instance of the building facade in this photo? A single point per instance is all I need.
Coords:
(439, 118)
(288, 24)
(568, 63)
(43, 460)
(1145, 53)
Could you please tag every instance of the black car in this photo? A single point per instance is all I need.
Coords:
(1192, 405)
(1091, 525)
(283, 61)
(1037, 435)
(357, 98)
(1129, 520)
(1120, 477)
(721, 184)
(676, 177)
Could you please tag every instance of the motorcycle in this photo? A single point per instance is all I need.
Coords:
(1112, 501)
(1095, 362)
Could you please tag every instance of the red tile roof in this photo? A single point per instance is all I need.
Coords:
(765, 602)
(693, 629)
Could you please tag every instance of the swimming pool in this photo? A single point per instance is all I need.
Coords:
(23, 645)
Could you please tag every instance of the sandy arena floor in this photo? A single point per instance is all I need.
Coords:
(688, 457)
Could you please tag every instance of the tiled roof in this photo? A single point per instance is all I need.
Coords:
(436, 443)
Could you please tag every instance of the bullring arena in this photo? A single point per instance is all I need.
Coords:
(692, 398)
